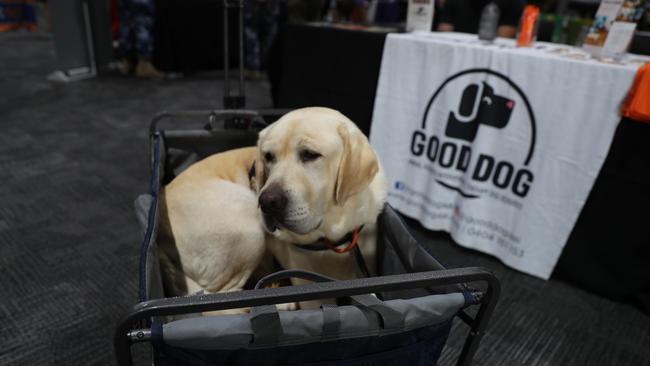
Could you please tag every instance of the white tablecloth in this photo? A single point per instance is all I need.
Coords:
(498, 146)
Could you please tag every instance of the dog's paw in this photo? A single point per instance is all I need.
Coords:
(290, 306)
(226, 312)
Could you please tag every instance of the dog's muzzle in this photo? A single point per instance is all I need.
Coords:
(273, 202)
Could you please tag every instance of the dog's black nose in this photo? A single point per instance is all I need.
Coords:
(273, 200)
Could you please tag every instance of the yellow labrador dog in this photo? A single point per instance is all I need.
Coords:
(210, 238)
(320, 182)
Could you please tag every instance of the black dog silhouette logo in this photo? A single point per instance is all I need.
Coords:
(447, 139)
(478, 105)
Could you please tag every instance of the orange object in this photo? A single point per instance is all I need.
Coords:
(636, 105)
(528, 26)
(353, 243)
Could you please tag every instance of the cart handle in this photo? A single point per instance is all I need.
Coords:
(214, 114)
(345, 288)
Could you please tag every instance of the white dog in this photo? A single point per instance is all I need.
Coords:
(320, 183)
(210, 238)
(320, 187)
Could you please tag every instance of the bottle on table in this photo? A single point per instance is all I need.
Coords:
(489, 22)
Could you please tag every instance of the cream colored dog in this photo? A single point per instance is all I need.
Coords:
(210, 237)
(319, 178)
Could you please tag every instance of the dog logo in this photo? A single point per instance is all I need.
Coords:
(478, 105)
(467, 105)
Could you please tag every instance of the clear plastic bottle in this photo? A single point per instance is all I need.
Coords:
(331, 15)
(487, 27)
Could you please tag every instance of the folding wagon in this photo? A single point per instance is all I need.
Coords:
(406, 322)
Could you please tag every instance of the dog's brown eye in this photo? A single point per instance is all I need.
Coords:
(269, 157)
(308, 155)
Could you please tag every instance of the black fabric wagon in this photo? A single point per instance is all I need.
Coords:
(406, 321)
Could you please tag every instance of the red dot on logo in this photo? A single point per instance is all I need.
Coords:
(510, 104)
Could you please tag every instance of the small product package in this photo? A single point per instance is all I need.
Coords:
(527, 32)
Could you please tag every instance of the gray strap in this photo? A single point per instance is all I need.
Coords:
(331, 321)
(267, 327)
(391, 318)
(292, 273)
(266, 324)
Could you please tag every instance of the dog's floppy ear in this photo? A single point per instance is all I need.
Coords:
(260, 167)
(358, 164)
(260, 171)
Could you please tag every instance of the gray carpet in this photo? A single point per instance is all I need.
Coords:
(72, 159)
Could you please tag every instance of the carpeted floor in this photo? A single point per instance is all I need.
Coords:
(74, 156)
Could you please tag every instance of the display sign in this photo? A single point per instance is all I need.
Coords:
(494, 145)
(613, 27)
(420, 15)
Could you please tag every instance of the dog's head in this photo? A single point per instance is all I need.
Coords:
(309, 162)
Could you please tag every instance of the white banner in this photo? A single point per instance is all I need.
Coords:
(496, 145)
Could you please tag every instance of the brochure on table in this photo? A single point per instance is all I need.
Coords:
(420, 15)
(613, 27)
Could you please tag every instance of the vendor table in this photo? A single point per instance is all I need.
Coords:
(497, 145)
(608, 250)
